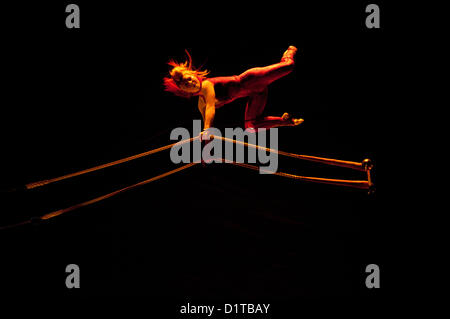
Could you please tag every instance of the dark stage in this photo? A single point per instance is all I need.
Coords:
(77, 98)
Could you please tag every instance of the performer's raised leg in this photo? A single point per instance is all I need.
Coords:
(256, 79)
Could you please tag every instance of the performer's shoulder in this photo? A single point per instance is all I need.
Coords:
(207, 85)
(207, 82)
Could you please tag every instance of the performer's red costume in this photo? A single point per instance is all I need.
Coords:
(252, 84)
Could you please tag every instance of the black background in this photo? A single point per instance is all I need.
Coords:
(75, 98)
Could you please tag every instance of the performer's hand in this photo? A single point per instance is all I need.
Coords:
(206, 135)
(205, 138)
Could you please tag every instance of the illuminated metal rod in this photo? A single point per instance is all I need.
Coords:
(99, 167)
(338, 182)
(97, 199)
(329, 161)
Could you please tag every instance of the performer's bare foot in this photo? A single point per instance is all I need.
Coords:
(289, 54)
(292, 122)
(285, 116)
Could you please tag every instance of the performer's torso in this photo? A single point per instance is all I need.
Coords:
(226, 89)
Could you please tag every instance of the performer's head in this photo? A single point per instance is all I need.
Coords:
(184, 81)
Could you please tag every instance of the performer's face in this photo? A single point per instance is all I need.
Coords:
(188, 82)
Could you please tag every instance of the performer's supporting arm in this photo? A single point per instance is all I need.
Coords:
(210, 104)
(210, 112)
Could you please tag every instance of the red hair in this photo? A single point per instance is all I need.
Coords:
(177, 68)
